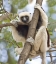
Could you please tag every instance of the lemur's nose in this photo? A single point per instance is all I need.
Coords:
(25, 19)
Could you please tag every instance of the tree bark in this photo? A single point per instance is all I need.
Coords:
(31, 32)
(10, 24)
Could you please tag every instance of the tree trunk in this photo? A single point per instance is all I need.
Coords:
(31, 32)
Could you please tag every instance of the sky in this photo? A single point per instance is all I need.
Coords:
(36, 60)
(45, 6)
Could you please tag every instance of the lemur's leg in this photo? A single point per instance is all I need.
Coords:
(40, 36)
(43, 15)
(38, 43)
(43, 56)
(41, 42)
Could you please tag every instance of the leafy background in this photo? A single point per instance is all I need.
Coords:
(5, 33)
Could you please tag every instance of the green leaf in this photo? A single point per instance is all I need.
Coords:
(50, 33)
(17, 5)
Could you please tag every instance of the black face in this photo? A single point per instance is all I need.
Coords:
(25, 19)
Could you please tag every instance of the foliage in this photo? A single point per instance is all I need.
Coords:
(8, 37)
(13, 6)
(6, 31)
(51, 2)
(51, 11)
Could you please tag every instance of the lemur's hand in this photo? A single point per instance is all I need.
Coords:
(37, 6)
(15, 22)
(31, 40)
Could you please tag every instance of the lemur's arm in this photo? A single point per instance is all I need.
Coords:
(16, 36)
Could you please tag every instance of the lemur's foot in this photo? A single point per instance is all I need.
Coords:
(37, 6)
(15, 22)
(33, 53)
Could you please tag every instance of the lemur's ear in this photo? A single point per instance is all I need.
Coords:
(30, 13)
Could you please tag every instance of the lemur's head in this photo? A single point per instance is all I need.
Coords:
(25, 17)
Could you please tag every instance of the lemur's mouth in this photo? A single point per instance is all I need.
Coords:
(23, 30)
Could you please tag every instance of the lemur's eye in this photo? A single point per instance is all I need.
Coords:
(27, 17)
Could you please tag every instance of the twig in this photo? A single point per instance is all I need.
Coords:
(50, 56)
(51, 50)
(7, 16)
(46, 56)
(52, 23)
(53, 46)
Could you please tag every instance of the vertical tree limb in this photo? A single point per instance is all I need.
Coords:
(31, 32)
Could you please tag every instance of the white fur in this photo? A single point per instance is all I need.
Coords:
(43, 15)
(40, 42)
(16, 36)
(25, 13)
(28, 10)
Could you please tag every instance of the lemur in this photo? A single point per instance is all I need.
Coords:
(42, 41)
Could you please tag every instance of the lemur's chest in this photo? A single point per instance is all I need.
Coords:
(23, 29)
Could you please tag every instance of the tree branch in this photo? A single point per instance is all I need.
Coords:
(31, 32)
(5, 25)
(10, 24)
